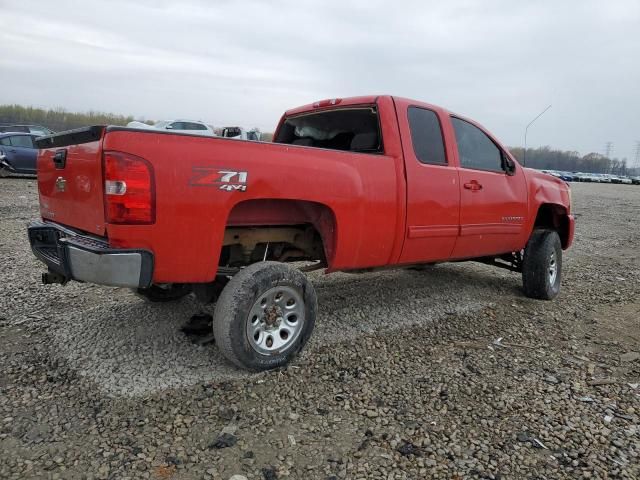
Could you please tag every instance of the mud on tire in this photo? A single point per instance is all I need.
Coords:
(267, 301)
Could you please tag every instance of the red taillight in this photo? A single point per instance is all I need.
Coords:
(129, 189)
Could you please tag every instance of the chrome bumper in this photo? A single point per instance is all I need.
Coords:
(74, 256)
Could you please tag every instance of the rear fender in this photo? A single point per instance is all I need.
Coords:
(279, 212)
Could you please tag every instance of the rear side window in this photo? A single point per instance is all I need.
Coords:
(6, 141)
(475, 148)
(426, 136)
(352, 129)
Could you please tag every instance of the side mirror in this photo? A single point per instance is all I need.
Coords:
(509, 166)
(169, 127)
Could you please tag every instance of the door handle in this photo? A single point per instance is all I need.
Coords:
(60, 158)
(473, 185)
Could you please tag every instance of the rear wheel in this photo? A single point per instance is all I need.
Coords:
(542, 265)
(264, 316)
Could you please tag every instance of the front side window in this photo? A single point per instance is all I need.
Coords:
(475, 148)
(22, 141)
(426, 136)
(6, 141)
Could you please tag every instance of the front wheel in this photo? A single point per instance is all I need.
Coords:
(542, 265)
(264, 316)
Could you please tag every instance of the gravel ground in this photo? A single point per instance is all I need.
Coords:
(404, 378)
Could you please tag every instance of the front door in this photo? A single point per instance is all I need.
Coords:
(493, 201)
(433, 190)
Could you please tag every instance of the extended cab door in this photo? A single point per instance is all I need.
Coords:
(493, 205)
(433, 189)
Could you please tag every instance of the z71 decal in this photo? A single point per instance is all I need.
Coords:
(224, 179)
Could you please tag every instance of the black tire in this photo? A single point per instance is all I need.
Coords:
(239, 297)
(158, 294)
(542, 251)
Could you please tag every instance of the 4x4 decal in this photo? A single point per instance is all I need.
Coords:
(223, 178)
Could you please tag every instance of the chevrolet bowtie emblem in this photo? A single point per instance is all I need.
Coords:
(61, 184)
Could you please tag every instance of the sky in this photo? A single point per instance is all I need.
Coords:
(246, 62)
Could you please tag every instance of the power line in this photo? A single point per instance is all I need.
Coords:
(608, 149)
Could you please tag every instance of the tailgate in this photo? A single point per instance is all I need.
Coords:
(70, 179)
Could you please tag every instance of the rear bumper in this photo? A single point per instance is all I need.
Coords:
(88, 259)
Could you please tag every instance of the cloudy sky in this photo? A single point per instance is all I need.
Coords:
(499, 62)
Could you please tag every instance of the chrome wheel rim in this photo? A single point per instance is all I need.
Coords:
(275, 320)
(553, 268)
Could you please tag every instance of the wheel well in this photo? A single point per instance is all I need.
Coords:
(281, 230)
(554, 217)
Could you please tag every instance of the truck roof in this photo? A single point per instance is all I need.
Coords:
(360, 100)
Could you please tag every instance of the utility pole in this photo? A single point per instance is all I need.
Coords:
(608, 149)
(524, 156)
(636, 162)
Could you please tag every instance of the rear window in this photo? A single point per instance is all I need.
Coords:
(230, 132)
(351, 129)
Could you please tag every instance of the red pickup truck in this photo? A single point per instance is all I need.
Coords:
(348, 184)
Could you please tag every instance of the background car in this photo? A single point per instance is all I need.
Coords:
(241, 133)
(183, 126)
(567, 176)
(38, 130)
(18, 153)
